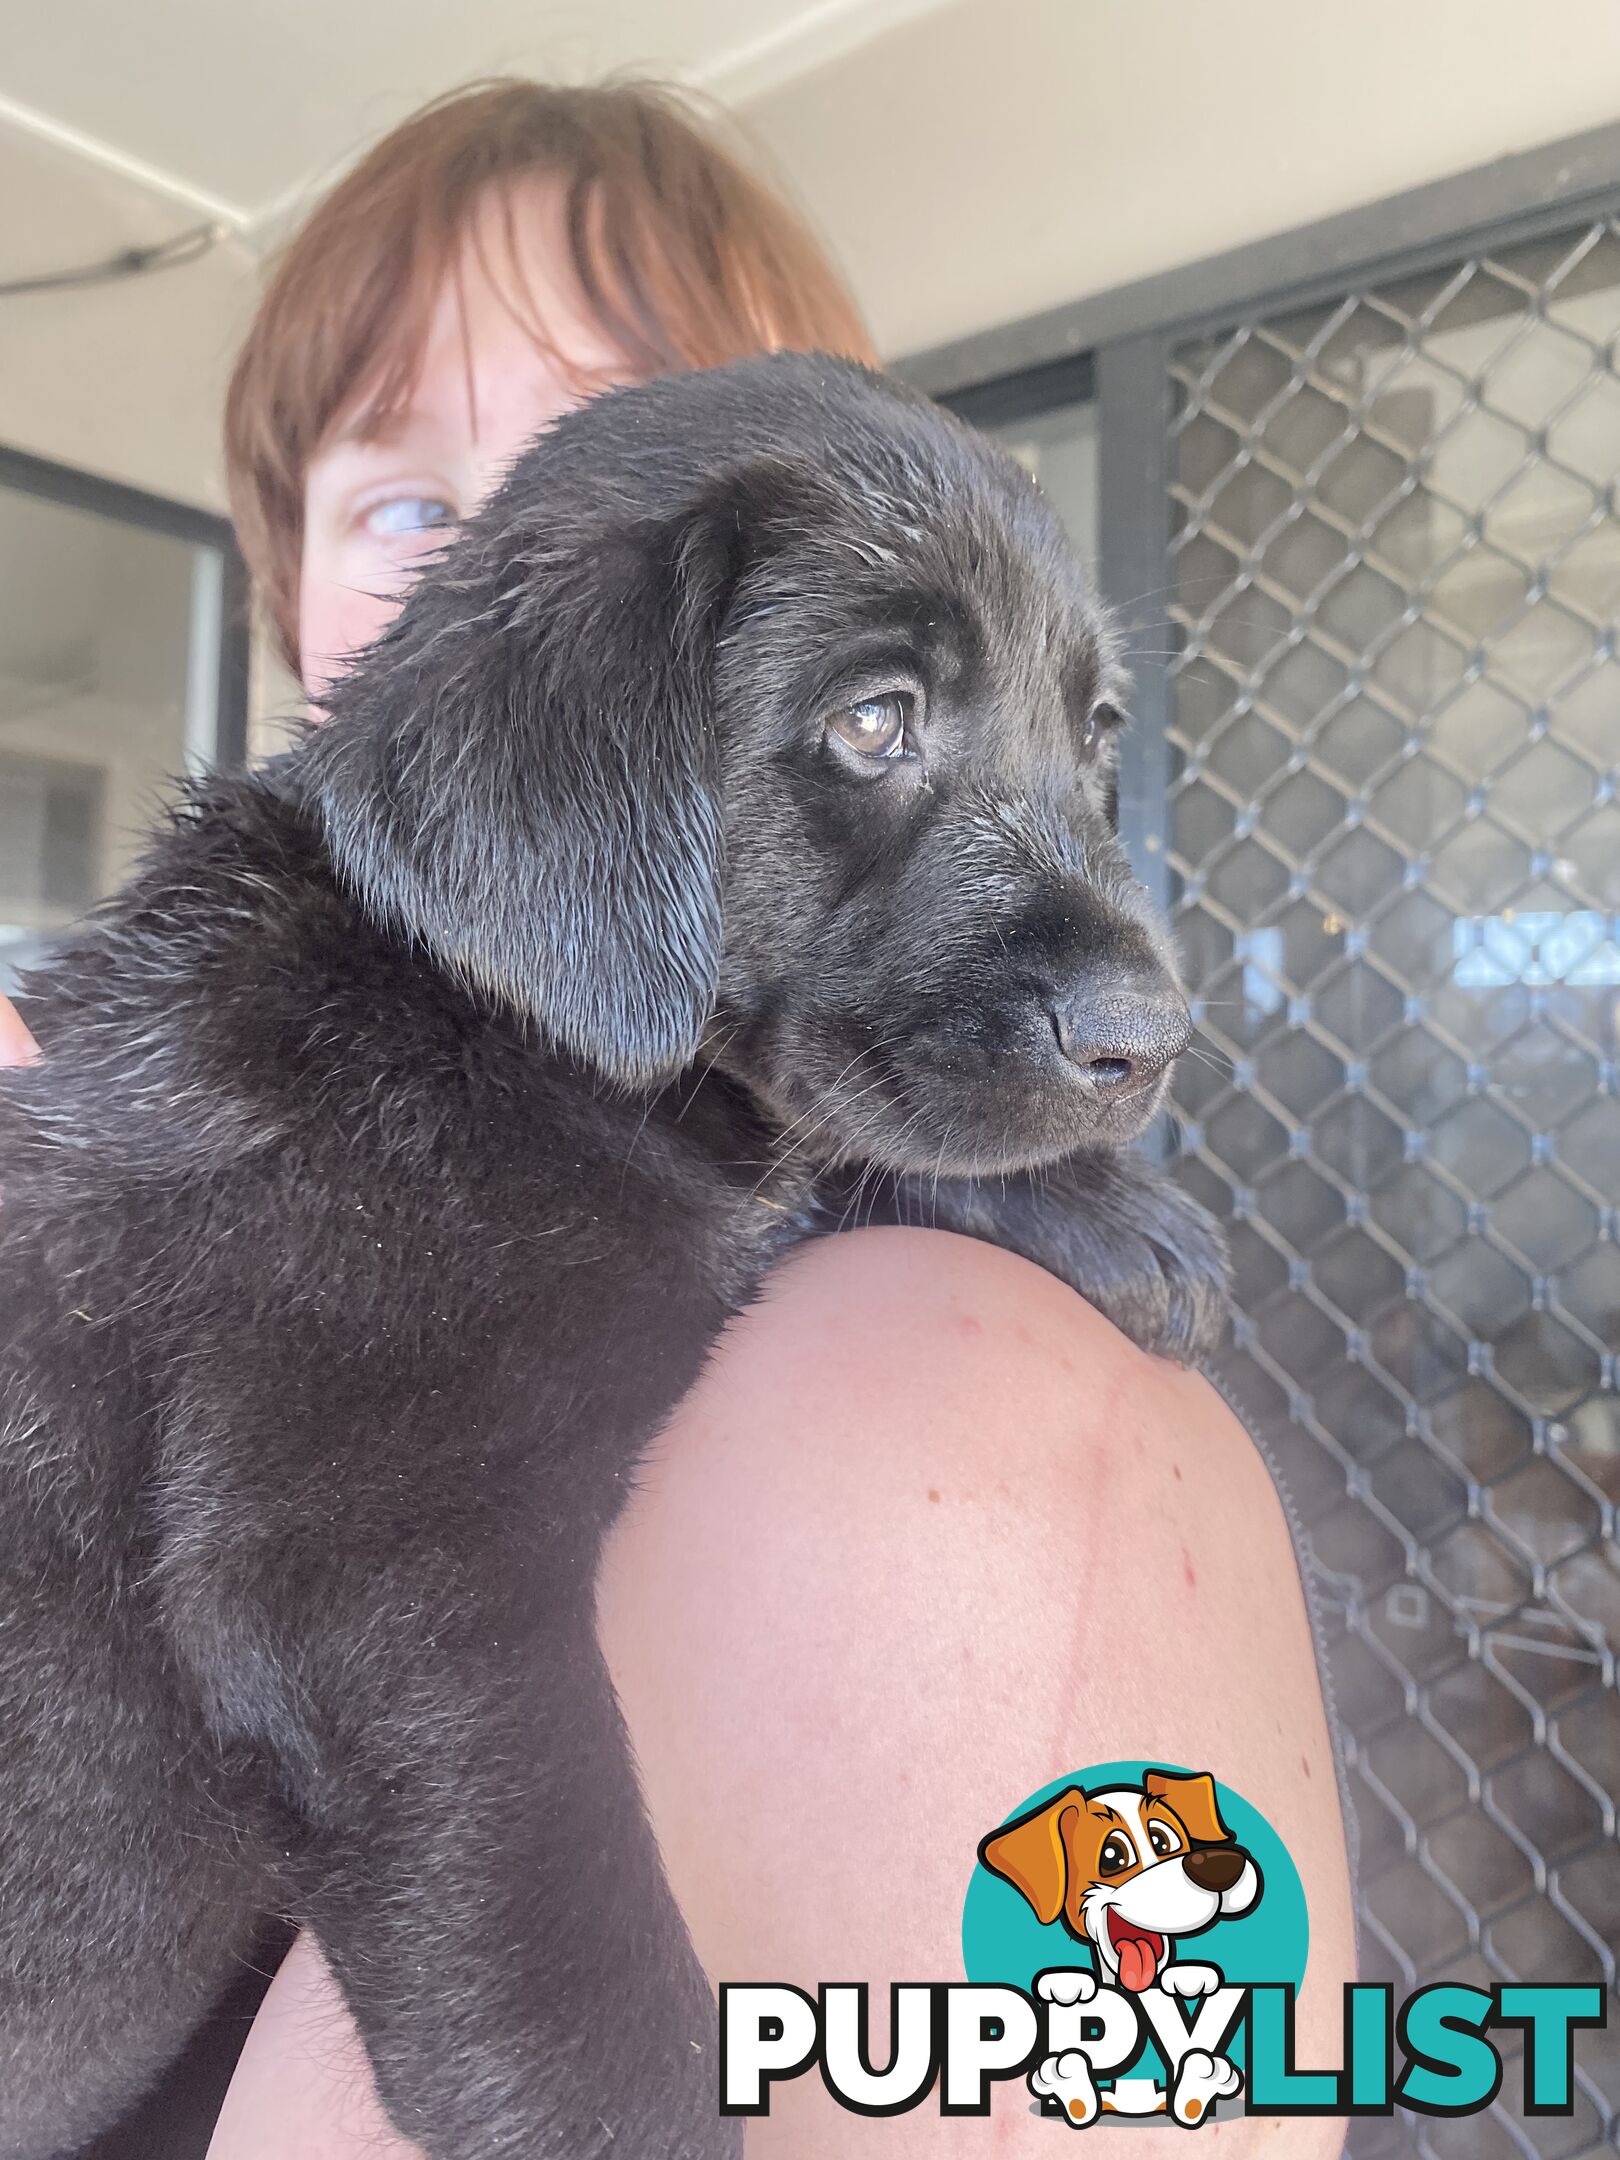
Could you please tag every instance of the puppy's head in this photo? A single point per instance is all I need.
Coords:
(766, 712)
(1128, 1869)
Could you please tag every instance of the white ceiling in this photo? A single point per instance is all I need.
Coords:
(969, 161)
(235, 107)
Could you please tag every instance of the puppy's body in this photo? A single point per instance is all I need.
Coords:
(343, 1385)
(405, 1134)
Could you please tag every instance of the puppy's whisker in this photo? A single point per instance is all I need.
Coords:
(873, 1174)
(1206, 1048)
(939, 1165)
(822, 1124)
(868, 1124)
(1209, 1055)
(1173, 588)
(830, 1098)
(1205, 1057)
(827, 1098)
(869, 1179)
(641, 1127)
(827, 1092)
(719, 1050)
(1235, 622)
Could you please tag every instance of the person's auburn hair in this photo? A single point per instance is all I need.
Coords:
(685, 257)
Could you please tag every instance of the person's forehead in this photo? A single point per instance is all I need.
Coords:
(509, 334)
(512, 276)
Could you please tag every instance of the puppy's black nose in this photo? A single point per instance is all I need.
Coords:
(1120, 1035)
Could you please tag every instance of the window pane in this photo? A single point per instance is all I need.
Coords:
(1059, 447)
(109, 666)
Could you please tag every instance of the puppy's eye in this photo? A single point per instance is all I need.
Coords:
(1100, 721)
(1117, 1853)
(876, 726)
(1161, 1839)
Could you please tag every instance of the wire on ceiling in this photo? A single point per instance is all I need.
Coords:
(169, 254)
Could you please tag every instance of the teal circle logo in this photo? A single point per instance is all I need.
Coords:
(1058, 1864)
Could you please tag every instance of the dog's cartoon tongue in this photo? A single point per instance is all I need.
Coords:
(1139, 1953)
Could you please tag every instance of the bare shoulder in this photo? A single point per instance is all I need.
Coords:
(956, 1348)
(906, 1414)
(929, 1534)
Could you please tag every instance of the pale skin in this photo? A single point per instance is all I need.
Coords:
(926, 1535)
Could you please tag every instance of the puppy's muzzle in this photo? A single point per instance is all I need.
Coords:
(1120, 1036)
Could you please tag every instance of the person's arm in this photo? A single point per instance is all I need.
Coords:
(17, 1046)
(928, 1534)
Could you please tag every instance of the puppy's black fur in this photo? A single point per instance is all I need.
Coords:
(721, 827)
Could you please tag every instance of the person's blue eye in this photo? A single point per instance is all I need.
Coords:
(404, 514)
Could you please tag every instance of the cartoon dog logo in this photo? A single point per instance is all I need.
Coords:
(1130, 1871)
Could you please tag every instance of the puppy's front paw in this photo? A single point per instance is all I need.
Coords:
(1168, 1281)
(1066, 2081)
(1202, 2078)
(1189, 1980)
(1111, 1226)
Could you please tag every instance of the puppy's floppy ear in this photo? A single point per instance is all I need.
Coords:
(522, 775)
(1032, 1853)
(1193, 1799)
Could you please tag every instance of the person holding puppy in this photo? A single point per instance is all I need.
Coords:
(928, 1532)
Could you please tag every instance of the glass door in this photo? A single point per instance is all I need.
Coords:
(122, 667)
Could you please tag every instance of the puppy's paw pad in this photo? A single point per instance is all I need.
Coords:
(1066, 1985)
(1066, 2079)
(1201, 2080)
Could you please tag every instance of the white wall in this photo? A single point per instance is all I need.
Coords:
(1004, 156)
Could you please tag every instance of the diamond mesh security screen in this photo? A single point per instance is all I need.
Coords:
(1395, 824)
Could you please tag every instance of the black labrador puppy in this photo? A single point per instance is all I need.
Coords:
(721, 830)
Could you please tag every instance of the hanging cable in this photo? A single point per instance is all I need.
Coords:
(171, 254)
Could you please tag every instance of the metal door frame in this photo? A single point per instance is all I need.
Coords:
(1507, 200)
(1117, 344)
